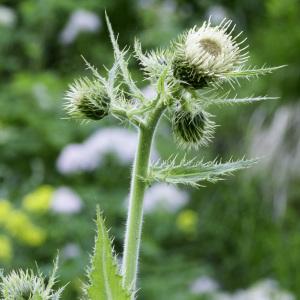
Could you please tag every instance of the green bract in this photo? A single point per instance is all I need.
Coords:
(188, 74)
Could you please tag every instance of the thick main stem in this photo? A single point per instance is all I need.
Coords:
(135, 210)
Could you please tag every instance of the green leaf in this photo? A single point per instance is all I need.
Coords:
(249, 72)
(105, 281)
(232, 101)
(191, 172)
(119, 55)
(109, 83)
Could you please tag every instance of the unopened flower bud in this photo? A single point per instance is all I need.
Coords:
(192, 128)
(87, 99)
(24, 285)
(203, 55)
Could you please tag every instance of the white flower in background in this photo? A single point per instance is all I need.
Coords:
(164, 196)
(90, 154)
(266, 289)
(204, 285)
(76, 158)
(79, 21)
(65, 201)
(119, 141)
(216, 14)
(7, 16)
(263, 290)
(70, 251)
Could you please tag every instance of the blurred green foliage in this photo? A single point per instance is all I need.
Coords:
(236, 238)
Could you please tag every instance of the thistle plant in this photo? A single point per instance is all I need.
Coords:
(190, 76)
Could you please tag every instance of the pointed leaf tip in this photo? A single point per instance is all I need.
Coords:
(105, 281)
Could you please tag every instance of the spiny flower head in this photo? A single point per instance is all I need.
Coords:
(202, 55)
(192, 127)
(87, 99)
(24, 285)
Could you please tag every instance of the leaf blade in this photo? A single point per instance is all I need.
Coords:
(235, 100)
(119, 55)
(192, 173)
(105, 281)
(250, 72)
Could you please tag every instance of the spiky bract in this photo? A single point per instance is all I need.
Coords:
(192, 127)
(25, 285)
(153, 62)
(205, 54)
(87, 99)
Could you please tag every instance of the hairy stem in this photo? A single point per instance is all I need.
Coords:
(137, 190)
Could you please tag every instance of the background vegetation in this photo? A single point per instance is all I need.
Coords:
(238, 232)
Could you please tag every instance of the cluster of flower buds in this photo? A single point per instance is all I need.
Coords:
(202, 57)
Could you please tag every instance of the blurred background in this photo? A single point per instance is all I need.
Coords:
(238, 239)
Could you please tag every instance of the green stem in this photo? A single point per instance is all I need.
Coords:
(137, 190)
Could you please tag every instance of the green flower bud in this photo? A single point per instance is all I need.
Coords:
(204, 55)
(87, 99)
(192, 128)
(24, 285)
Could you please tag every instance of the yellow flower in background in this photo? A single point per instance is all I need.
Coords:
(17, 222)
(20, 226)
(5, 209)
(39, 200)
(187, 221)
(33, 236)
(5, 249)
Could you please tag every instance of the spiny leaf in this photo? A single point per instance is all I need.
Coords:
(235, 100)
(110, 83)
(119, 106)
(94, 70)
(105, 281)
(119, 55)
(250, 72)
(191, 172)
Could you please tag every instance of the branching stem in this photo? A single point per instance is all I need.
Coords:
(137, 190)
